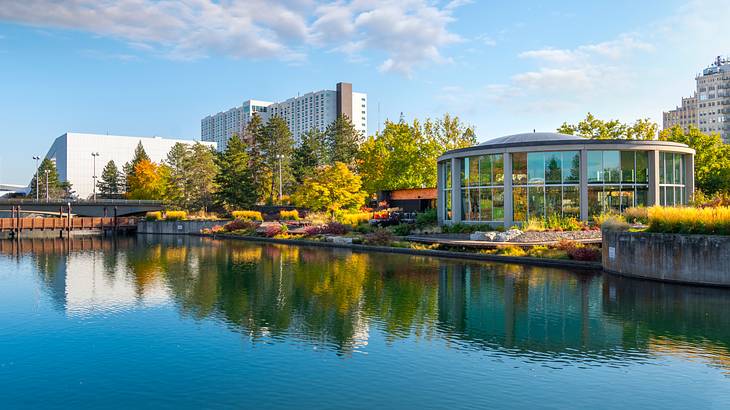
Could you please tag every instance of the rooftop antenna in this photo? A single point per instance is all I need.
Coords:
(533, 130)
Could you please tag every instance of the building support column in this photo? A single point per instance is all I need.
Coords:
(455, 190)
(583, 187)
(440, 200)
(689, 177)
(507, 160)
(654, 192)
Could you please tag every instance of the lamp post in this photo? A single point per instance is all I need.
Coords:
(280, 157)
(36, 158)
(48, 195)
(94, 155)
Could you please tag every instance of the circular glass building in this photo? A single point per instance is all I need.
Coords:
(511, 179)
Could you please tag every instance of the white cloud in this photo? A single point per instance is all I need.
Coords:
(408, 33)
(551, 55)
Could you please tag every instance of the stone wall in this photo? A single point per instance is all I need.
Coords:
(176, 227)
(697, 259)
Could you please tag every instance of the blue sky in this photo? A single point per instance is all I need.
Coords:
(145, 67)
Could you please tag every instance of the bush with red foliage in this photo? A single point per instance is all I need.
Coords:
(333, 228)
(585, 253)
(239, 225)
(272, 230)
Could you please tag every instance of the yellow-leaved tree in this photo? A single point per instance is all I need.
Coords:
(149, 181)
(330, 188)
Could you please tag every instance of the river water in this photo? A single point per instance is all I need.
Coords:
(174, 322)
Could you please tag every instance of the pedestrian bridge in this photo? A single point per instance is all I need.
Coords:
(98, 208)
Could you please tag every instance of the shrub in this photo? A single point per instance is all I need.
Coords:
(239, 225)
(637, 214)
(217, 229)
(427, 218)
(464, 228)
(510, 250)
(555, 223)
(379, 237)
(317, 218)
(176, 215)
(403, 229)
(585, 253)
(615, 224)
(292, 215)
(567, 245)
(354, 219)
(534, 225)
(598, 220)
(710, 221)
(273, 230)
(247, 215)
(153, 216)
(334, 228)
(363, 228)
(542, 251)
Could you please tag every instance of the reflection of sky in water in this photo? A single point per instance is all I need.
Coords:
(202, 323)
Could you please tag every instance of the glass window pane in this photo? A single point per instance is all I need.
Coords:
(611, 166)
(536, 202)
(553, 201)
(447, 205)
(447, 174)
(498, 169)
(677, 169)
(519, 204)
(465, 206)
(553, 161)
(662, 171)
(678, 195)
(627, 166)
(642, 195)
(642, 167)
(595, 200)
(498, 204)
(571, 202)
(485, 170)
(595, 166)
(612, 198)
(485, 204)
(519, 168)
(669, 196)
(464, 172)
(536, 167)
(473, 171)
(627, 197)
(571, 167)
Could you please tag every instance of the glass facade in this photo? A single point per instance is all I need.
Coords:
(545, 184)
(671, 179)
(446, 178)
(617, 180)
(482, 188)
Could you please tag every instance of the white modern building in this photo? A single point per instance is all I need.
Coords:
(72, 151)
(315, 109)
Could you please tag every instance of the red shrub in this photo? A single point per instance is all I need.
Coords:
(586, 253)
(239, 225)
(272, 230)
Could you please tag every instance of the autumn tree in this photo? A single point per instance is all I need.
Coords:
(111, 180)
(52, 184)
(594, 128)
(148, 180)
(330, 188)
(235, 180)
(139, 155)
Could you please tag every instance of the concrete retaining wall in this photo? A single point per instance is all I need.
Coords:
(697, 259)
(176, 227)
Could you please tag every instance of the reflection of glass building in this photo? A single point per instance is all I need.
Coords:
(512, 179)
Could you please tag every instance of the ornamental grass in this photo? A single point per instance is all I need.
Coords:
(354, 219)
(708, 221)
(153, 216)
(247, 215)
(176, 215)
(292, 215)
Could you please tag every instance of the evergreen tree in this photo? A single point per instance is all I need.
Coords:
(234, 180)
(343, 141)
(309, 154)
(139, 155)
(201, 169)
(254, 137)
(178, 160)
(110, 180)
(276, 153)
(56, 189)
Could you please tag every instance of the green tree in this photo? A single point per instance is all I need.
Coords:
(192, 173)
(148, 181)
(331, 188)
(254, 137)
(449, 132)
(55, 187)
(178, 161)
(594, 128)
(111, 181)
(309, 154)
(236, 189)
(712, 158)
(139, 155)
(276, 150)
(342, 141)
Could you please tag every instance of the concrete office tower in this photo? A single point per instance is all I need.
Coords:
(315, 109)
(709, 108)
(72, 154)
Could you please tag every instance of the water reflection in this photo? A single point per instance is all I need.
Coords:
(336, 298)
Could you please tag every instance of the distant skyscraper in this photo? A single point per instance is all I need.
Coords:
(315, 109)
(709, 108)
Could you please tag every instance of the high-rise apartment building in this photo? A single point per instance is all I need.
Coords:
(709, 108)
(315, 109)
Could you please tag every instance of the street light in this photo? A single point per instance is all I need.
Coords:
(280, 157)
(48, 196)
(36, 158)
(94, 155)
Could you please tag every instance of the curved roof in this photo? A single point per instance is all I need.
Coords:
(531, 138)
